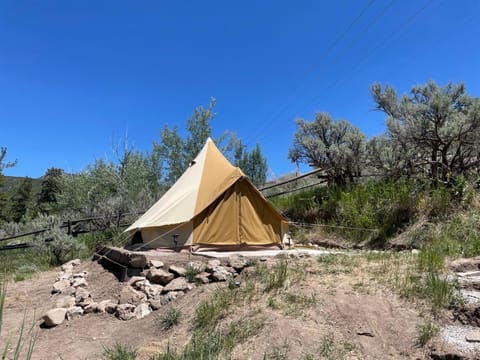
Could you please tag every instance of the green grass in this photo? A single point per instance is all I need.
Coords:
(191, 272)
(274, 277)
(169, 319)
(28, 338)
(426, 331)
(119, 351)
(209, 345)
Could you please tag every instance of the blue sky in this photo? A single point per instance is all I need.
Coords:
(76, 76)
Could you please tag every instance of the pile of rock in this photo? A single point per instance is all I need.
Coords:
(157, 286)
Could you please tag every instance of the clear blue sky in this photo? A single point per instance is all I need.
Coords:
(76, 76)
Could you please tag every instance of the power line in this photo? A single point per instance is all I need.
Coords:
(275, 114)
(378, 16)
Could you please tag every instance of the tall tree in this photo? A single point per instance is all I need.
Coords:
(50, 189)
(253, 163)
(20, 200)
(335, 146)
(439, 128)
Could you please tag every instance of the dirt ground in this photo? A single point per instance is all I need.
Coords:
(350, 317)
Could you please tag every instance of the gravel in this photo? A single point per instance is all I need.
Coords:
(455, 336)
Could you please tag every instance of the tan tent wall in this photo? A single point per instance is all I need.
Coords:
(218, 223)
(156, 237)
(259, 225)
(238, 217)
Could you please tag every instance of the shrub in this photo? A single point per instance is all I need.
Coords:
(59, 246)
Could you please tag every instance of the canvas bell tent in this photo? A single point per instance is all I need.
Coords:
(212, 205)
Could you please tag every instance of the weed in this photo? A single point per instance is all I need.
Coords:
(278, 353)
(274, 277)
(119, 352)
(169, 319)
(191, 272)
(426, 331)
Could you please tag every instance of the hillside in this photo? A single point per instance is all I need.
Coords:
(12, 182)
(328, 307)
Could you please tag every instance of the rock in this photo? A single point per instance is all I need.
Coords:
(125, 311)
(157, 264)
(79, 282)
(135, 279)
(63, 276)
(203, 277)
(142, 285)
(171, 296)
(159, 276)
(65, 302)
(177, 270)
(131, 259)
(221, 273)
(129, 295)
(142, 310)
(91, 308)
(263, 259)
(415, 251)
(60, 286)
(82, 274)
(237, 262)
(82, 296)
(153, 291)
(465, 264)
(197, 266)
(178, 284)
(70, 265)
(212, 264)
(111, 307)
(155, 304)
(473, 336)
(102, 305)
(54, 317)
(74, 312)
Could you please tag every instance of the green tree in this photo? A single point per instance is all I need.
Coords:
(335, 146)
(21, 199)
(3, 196)
(253, 163)
(438, 128)
(49, 190)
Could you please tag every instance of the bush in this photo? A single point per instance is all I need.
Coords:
(59, 246)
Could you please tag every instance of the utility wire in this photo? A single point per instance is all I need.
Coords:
(276, 114)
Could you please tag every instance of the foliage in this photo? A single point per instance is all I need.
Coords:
(253, 163)
(58, 246)
(119, 352)
(30, 337)
(426, 331)
(190, 272)
(50, 190)
(435, 129)
(3, 197)
(19, 203)
(335, 146)
(176, 153)
(274, 277)
(169, 319)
